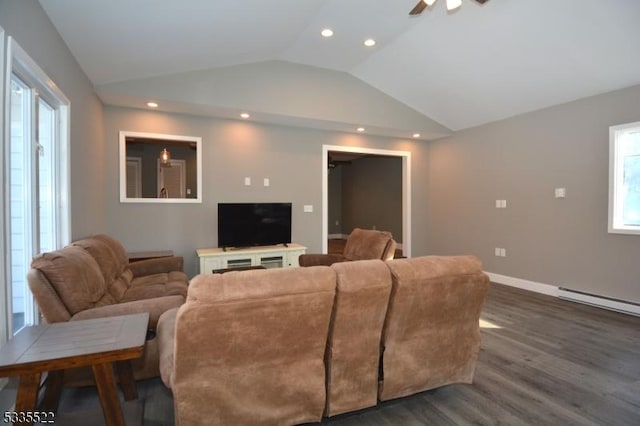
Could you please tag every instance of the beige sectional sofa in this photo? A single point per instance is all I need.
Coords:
(92, 278)
(290, 346)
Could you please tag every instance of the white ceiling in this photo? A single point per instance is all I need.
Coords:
(478, 64)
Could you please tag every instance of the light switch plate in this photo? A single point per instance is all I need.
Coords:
(266, 182)
(247, 181)
(308, 208)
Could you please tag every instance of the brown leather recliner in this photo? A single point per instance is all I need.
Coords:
(362, 244)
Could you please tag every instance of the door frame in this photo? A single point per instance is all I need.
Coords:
(406, 190)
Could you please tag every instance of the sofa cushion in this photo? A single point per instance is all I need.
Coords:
(166, 338)
(366, 244)
(249, 347)
(116, 247)
(353, 348)
(109, 259)
(431, 335)
(75, 276)
(154, 307)
(157, 285)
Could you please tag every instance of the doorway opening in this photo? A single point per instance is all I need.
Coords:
(406, 189)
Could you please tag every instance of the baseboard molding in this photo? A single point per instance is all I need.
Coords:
(547, 289)
(567, 294)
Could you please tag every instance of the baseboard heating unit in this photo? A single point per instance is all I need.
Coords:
(599, 301)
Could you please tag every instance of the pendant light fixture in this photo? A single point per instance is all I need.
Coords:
(165, 158)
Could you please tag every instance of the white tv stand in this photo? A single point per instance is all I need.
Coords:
(278, 256)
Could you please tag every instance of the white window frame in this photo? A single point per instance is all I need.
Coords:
(18, 61)
(124, 134)
(616, 173)
(4, 301)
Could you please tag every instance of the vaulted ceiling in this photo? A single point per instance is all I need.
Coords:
(430, 74)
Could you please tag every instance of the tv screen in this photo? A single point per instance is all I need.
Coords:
(253, 224)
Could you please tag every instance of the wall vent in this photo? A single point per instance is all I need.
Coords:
(599, 301)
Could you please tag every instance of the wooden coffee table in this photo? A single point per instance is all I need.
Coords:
(101, 343)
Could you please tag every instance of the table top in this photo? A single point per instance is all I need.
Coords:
(74, 344)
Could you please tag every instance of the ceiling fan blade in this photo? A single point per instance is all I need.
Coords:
(482, 1)
(419, 8)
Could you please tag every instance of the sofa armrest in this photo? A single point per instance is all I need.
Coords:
(157, 266)
(320, 259)
(155, 307)
(166, 345)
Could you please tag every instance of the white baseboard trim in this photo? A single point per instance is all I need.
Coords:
(567, 294)
(547, 289)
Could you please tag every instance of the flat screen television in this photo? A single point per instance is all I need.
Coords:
(253, 224)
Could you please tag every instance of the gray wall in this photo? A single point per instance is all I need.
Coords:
(29, 25)
(290, 157)
(372, 195)
(334, 198)
(562, 242)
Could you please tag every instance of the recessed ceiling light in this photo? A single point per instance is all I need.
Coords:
(152, 105)
(369, 42)
(453, 4)
(416, 135)
(327, 32)
(245, 115)
(360, 129)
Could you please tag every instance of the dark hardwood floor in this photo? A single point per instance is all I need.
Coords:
(543, 361)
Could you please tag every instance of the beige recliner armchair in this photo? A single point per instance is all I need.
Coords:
(362, 244)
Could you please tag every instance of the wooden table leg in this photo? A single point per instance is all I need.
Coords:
(106, 384)
(27, 395)
(127, 382)
(52, 390)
